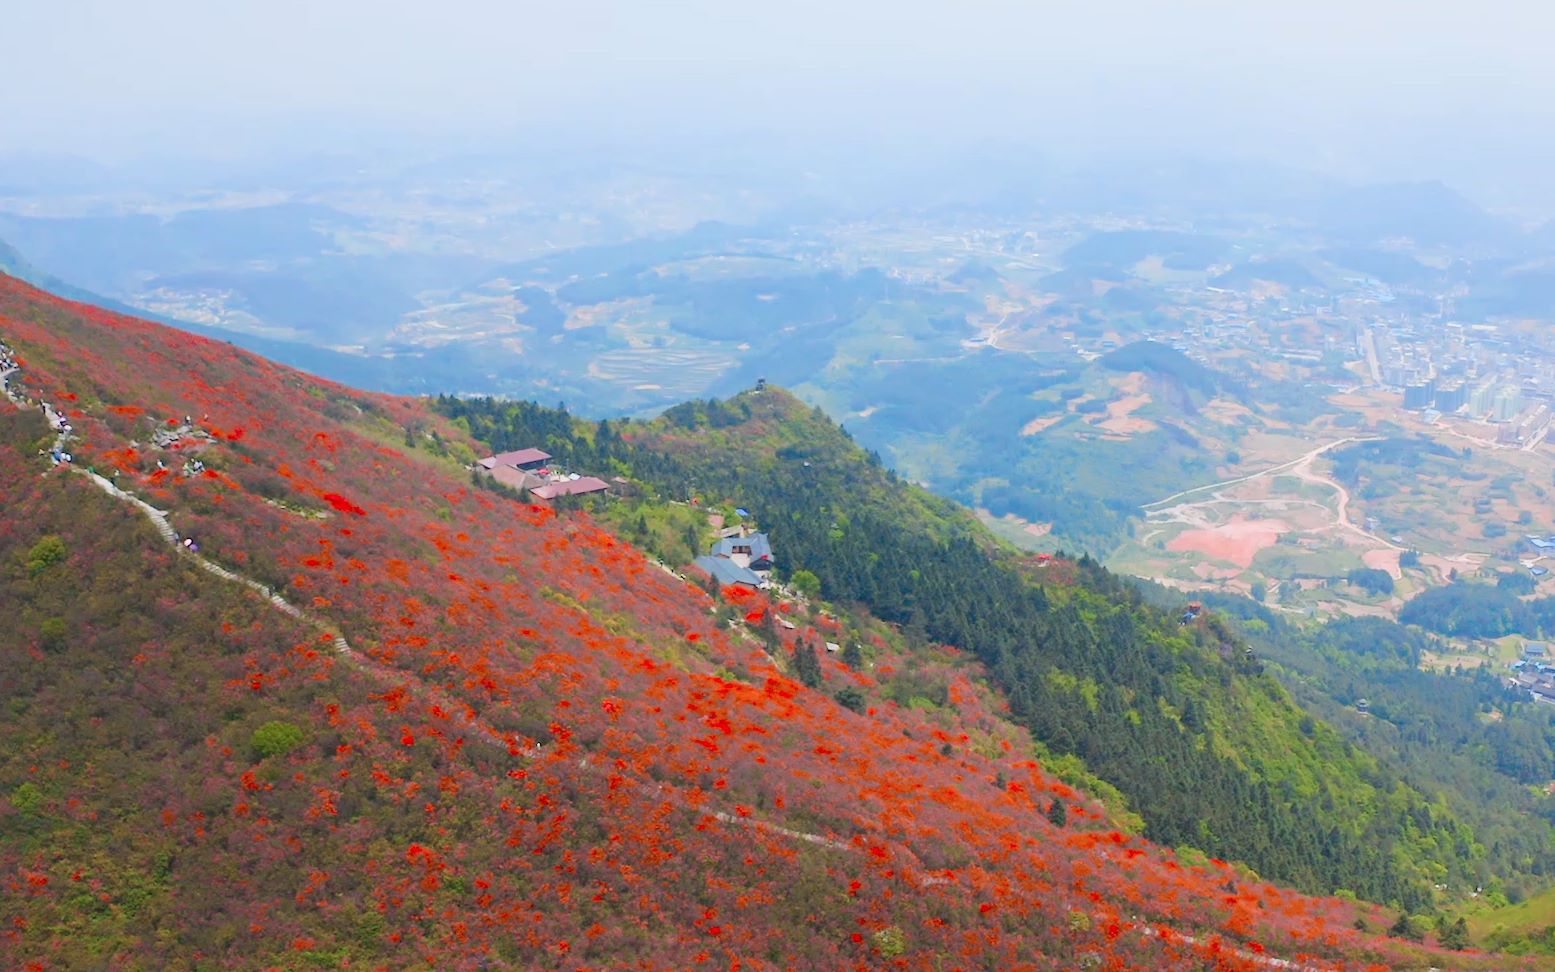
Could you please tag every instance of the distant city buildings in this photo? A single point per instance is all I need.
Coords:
(1507, 404)
(1450, 397)
(1480, 399)
(1420, 395)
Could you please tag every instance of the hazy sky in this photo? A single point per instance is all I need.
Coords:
(1363, 87)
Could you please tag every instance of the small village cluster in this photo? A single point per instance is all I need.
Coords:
(533, 472)
(742, 557)
(1542, 547)
(1534, 673)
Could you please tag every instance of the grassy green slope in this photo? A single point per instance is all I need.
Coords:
(1525, 928)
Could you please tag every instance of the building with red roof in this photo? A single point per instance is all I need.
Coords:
(569, 487)
(517, 459)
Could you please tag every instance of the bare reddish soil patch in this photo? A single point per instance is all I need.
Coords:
(1237, 541)
(1040, 424)
(1120, 417)
(1385, 559)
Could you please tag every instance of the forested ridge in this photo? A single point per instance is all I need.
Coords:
(1486, 749)
(1208, 749)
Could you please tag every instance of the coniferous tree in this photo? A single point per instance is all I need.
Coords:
(807, 666)
(853, 656)
(1454, 934)
(1057, 813)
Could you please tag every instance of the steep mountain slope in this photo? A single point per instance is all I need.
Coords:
(1176, 713)
(465, 731)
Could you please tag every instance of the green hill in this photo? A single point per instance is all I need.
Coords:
(1208, 749)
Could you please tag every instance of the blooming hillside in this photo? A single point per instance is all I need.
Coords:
(382, 719)
(1174, 720)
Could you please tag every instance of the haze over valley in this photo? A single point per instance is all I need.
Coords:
(1173, 386)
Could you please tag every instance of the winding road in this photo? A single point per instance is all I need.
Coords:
(1306, 457)
(1169, 511)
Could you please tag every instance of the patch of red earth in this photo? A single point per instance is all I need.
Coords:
(1237, 541)
(1383, 560)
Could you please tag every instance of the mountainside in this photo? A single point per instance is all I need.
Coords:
(1174, 712)
(369, 714)
(1488, 750)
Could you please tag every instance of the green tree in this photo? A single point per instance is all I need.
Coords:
(1404, 927)
(1372, 580)
(806, 583)
(54, 631)
(45, 554)
(850, 698)
(807, 666)
(1057, 813)
(1517, 582)
(1453, 935)
(276, 739)
(853, 656)
(890, 941)
(26, 797)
